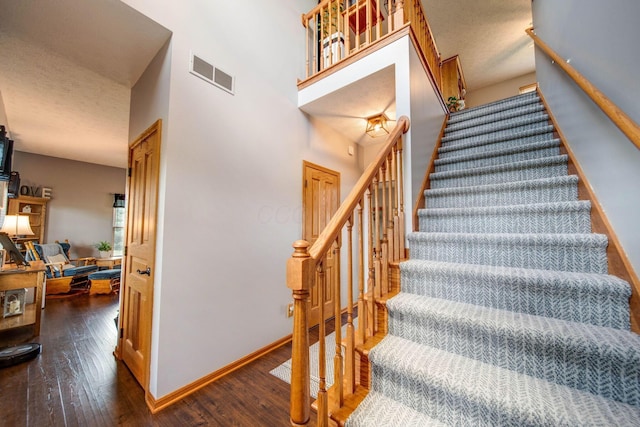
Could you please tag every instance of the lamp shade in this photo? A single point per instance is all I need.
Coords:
(16, 225)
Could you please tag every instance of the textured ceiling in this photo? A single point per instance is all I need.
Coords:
(68, 65)
(66, 72)
(488, 36)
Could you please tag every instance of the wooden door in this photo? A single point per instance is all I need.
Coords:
(137, 289)
(321, 197)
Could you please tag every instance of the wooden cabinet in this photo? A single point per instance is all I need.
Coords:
(12, 278)
(36, 209)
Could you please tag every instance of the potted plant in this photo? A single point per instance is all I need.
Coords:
(452, 103)
(455, 104)
(104, 248)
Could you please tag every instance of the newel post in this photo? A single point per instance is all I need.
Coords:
(300, 273)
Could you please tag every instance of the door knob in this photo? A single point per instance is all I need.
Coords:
(147, 271)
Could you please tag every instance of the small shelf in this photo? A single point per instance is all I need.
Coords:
(25, 319)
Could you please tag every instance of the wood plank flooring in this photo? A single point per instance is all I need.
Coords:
(76, 381)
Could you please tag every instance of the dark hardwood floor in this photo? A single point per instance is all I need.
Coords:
(76, 381)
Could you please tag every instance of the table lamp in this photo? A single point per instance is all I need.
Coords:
(14, 225)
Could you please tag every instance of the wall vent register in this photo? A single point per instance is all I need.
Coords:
(211, 74)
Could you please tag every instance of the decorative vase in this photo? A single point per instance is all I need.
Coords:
(105, 254)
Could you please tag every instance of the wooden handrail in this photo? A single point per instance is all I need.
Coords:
(330, 233)
(379, 193)
(617, 116)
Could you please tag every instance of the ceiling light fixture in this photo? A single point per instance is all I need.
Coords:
(377, 125)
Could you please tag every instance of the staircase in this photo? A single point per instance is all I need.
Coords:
(507, 315)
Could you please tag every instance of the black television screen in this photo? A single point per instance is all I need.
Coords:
(6, 153)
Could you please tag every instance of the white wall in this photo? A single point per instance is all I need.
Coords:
(81, 206)
(427, 117)
(498, 91)
(600, 39)
(231, 179)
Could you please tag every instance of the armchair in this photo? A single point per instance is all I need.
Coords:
(61, 274)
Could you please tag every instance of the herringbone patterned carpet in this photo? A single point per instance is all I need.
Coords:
(507, 316)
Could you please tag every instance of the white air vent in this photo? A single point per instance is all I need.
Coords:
(207, 72)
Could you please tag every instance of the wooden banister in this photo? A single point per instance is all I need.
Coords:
(330, 233)
(379, 193)
(617, 116)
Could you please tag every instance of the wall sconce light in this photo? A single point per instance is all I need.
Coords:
(377, 125)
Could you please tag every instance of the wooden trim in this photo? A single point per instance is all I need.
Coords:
(458, 66)
(334, 227)
(156, 405)
(420, 202)
(157, 128)
(619, 264)
(425, 64)
(617, 116)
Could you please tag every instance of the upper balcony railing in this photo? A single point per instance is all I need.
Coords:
(338, 29)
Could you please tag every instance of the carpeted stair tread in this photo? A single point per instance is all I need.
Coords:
(501, 105)
(563, 252)
(516, 124)
(461, 391)
(596, 299)
(506, 314)
(495, 157)
(495, 117)
(599, 360)
(538, 133)
(545, 190)
(558, 217)
(378, 410)
(509, 172)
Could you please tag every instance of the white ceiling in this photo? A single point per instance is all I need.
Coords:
(66, 72)
(68, 65)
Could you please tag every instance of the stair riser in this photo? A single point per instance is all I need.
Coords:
(512, 124)
(493, 134)
(504, 105)
(581, 365)
(491, 145)
(517, 222)
(586, 301)
(499, 160)
(516, 195)
(495, 117)
(559, 257)
(460, 407)
(498, 177)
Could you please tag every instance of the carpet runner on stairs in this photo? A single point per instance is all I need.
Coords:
(507, 315)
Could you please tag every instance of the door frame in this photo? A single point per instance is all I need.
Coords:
(306, 164)
(336, 260)
(156, 127)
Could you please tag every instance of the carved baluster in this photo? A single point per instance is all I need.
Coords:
(350, 366)
(367, 36)
(395, 232)
(398, 16)
(323, 409)
(361, 307)
(337, 359)
(372, 253)
(378, 21)
(384, 256)
(401, 218)
(377, 238)
(300, 275)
